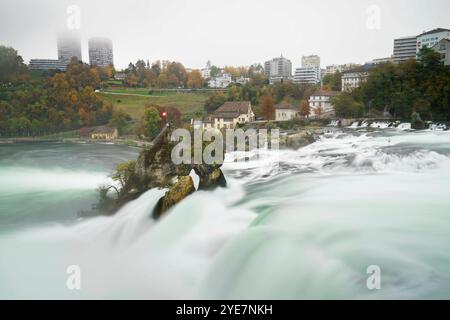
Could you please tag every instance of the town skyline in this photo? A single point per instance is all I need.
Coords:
(352, 37)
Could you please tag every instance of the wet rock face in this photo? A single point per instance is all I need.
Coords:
(180, 190)
(154, 166)
(211, 177)
(155, 169)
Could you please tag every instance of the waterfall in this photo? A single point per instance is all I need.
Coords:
(291, 224)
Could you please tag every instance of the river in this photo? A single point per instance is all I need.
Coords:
(292, 224)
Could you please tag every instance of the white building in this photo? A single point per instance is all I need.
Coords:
(278, 69)
(206, 71)
(431, 38)
(120, 76)
(332, 69)
(242, 80)
(310, 61)
(221, 81)
(47, 64)
(307, 75)
(100, 52)
(286, 112)
(443, 47)
(230, 114)
(405, 48)
(353, 78)
(320, 104)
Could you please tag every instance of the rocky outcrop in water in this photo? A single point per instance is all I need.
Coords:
(154, 168)
(180, 190)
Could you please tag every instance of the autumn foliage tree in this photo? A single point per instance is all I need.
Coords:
(318, 111)
(45, 104)
(195, 79)
(305, 110)
(268, 108)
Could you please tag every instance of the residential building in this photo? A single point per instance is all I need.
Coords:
(307, 75)
(120, 76)
(105, 133)
(286, 112)
(310, 72)
(278, 69)
(230, 114)
(341, 68)
(320, 104)
(69, 46)
(242, 80)
(353, 78)
(431, 38)
(206, 72)
(221, 81)
(47, 64)
(405, 48)
(310, 61)
(443, 47)
(100, 52)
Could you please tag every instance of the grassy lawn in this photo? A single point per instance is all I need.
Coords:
(188, 103)
(63, 135)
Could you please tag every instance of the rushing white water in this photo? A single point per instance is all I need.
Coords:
(290, 224)
(25, 179)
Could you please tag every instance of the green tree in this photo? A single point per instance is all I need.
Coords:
(345, 106)
(333, 81)
(214, 102)
(120, 120)
(124, 174)
(151, 122)
(11, 64)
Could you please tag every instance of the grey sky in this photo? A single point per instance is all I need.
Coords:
(227, 32)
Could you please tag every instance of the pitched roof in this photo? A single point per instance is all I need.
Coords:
(234, 106)
(434, 31)
(104, 129)
(231, 110)
(326, 93)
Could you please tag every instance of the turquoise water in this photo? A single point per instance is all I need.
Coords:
(292, 224)
(52, 182)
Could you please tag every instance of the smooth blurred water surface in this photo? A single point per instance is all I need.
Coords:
(291, 224)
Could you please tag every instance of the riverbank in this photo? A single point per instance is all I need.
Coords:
(126, 142)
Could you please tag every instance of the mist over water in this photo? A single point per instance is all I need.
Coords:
(292, 224)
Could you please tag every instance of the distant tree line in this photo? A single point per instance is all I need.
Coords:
(170, 74)
(161, 74)
(264, 97)
(415, 90)
(34, 105)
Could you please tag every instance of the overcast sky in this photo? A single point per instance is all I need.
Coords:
(227, 32)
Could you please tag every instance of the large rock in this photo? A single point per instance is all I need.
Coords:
(180, 190)
(154, 168)
(211, 177)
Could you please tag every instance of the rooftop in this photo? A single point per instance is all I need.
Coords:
(231, 110)
(104, 129)
(434, 31)
(326, 93)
